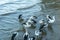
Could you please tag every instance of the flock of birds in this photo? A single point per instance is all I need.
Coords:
(32, 21)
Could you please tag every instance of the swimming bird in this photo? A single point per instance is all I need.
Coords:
(33, 17)
(41, 21)
(50, 19)
(32, 38)
(14, 35)
(26, 24)
(20, 18)
(43, 25)
(29, 21)
(26, 36)
(32, 20)
(37, 33)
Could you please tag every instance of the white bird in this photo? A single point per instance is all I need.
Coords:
(20, 17)
(37, 33)
(46, 25)
(14, 35)
(27, 25)
(43, 25)
(41, 21)
(26, 35)
(30, 21)
(33, 17)
(32, 38)
(51, 19)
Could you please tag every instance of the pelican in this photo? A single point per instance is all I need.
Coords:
(51, 19)
(14, 35)
(26, 36)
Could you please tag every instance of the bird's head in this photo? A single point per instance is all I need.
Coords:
(19, 16)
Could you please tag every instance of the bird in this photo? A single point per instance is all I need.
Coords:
(37, 33)
(50, 19)
(33, 17)
(32, 20)
(14, 35)
(26, 36)
(26, 24)
(20, 17)
(41, 22)
(29, 22)
(32, 38)
(43, 25)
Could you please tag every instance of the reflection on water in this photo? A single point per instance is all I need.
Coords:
(50, 28)
(9, 17)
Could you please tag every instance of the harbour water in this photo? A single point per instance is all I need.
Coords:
(10, 10)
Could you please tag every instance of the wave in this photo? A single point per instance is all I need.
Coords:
(13, 6)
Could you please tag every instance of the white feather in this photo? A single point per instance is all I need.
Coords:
(51, 20)
(37, 33)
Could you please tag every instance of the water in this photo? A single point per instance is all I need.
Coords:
(9, 11)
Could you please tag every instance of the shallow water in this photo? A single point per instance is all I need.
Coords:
(9, 12)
